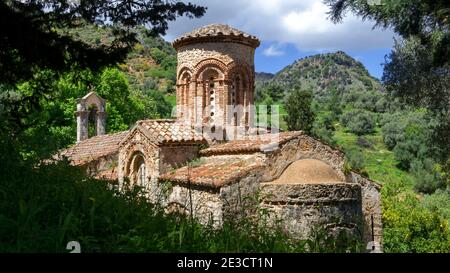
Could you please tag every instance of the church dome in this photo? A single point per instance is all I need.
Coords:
(308, 171)
(216, 33)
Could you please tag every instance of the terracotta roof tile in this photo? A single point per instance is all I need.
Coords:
(93, 148)
(215, 31)
(170, 131)
(251, 144)
(217, 171)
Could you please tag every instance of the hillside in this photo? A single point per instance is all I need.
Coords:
(150, 65)
(325, 72)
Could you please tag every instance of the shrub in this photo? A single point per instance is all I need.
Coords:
(358, 121)
(323, 129)
(355, 159)
(409, 226)
(427, 178)
(299, 111)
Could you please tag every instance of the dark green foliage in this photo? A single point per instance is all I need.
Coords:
(355, 159)
(30, 38)
(408, 134)
(298, 108)
(43, 208)
(417, 70)
(363, 142)
(323, 128)
(373, 101)
(272, 90)
(163, 107)
(413, 76)
(358, 121)
(427, 178)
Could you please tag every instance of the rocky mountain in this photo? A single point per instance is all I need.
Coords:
(323, 73)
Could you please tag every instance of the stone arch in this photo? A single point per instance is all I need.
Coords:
(240, 90)
(90, 109)
(137, 162)
(207, 64)
(184, 71)
(238, 67)
(137, 169)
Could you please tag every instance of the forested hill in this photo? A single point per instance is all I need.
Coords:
(150, 65)
(325, 72)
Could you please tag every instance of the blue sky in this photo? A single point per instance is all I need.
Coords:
(292, 29)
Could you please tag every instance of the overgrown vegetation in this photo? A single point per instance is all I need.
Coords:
(390, 142)
(42, 209)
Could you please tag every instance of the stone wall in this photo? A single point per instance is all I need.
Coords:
(302, 147)
(206, 203)
(302, 208)
(172, 157)
(371, 208)
(241, 199)
(102, 164)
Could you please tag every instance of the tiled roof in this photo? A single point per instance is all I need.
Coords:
(215, 31)
(216, 172)
(251, 144)
(93, 148)
(170, 131)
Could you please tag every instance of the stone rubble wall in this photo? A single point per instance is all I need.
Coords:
(371, 208)
(302, 208)
(206, 203)
(172, 157)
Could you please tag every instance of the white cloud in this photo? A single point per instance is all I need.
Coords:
(303, 23)
(273, 51)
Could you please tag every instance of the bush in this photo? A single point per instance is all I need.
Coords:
(300, 115)
(323, 129)
(409, 226)
(355, 158)
(358, 121)
(43, 208)
(408, 135)
(427, 178)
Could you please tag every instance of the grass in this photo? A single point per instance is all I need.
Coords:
(380, 163)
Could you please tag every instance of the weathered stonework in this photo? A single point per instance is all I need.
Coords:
(215, 76)
(371, 208)
(296, 178)
(302, 208)
(302, 147)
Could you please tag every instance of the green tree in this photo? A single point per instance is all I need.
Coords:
(418, 68)
(299, 112)
(275, 91)
(358, 121)
(30, 36)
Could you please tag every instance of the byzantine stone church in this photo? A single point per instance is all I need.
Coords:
(213, 163)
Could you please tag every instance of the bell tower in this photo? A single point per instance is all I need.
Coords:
(215, 77)
(90, 112)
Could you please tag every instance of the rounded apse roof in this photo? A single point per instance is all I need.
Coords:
(308, 171)
(216, 33)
